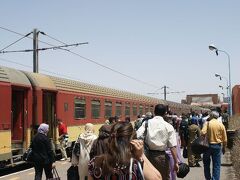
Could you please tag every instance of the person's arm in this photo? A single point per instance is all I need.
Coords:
(204, 129)
(224, 139)
(174, 154)
(149, 171)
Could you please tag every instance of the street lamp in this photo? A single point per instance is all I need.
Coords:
(214, 48)
(222, 77)
(221, 87)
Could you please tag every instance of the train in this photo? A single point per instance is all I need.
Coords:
(28, 99)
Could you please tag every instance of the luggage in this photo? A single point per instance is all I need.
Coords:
(183, 170)
(28, 155)
(72, 173)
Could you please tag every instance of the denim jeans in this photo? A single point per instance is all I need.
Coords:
(213, 152)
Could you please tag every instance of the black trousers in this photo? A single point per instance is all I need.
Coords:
(39, 170)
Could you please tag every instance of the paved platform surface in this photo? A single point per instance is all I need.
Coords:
(227, 171)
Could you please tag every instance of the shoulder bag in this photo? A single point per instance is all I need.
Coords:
(139, 168)
(200, 144)
(28, 155)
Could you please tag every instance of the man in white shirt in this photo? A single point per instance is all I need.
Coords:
(159, 136)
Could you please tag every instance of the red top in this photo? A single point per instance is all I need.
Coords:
(62, 129)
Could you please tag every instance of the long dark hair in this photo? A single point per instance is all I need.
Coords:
(119, 151)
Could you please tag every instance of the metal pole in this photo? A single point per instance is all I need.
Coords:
(229, 81)
(35, 52)
(165, 92)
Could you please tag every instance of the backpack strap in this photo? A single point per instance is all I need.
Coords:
(145, 134)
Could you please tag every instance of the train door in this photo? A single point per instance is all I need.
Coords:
(17, 125)
(49, 113)
(19, 103)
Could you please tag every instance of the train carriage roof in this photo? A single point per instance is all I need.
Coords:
(41, 81)
(13, 76)
(76, 86)
(56, 83)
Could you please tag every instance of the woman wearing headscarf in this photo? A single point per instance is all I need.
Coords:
(81, 160)
(43, 155)
(193, 132)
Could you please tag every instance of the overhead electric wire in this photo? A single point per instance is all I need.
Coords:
(106, 67)
(43, 49)
(15, 42)
(87, 59)
(44, 70)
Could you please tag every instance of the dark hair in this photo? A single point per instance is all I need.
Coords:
(127, 119)
(112, 120)
(119, 151)
(160, 110)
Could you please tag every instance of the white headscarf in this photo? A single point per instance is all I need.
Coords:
(43, 128)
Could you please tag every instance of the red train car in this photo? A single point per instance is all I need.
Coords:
(236, 99)
(15, 115)
(29, 99)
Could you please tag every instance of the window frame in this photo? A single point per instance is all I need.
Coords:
(81, 108)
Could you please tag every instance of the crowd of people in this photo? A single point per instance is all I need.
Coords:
(148, 148)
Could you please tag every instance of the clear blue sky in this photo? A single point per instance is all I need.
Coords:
(157, 42)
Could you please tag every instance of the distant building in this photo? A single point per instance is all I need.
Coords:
(236, 99)
(202, 99)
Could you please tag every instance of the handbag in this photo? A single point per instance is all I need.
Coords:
(28, 155)
(72, 173)
(200, 144)
(131, 169)
(183, 170)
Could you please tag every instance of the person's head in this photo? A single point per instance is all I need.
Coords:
(119, 142)
(119, 148)
(43, 128)
(111, 120)
(149, 114)
(104, 131)
(160, 110)
(127, 119)
(89, 128)
(214, 115)
(194, 121)
(59, 121)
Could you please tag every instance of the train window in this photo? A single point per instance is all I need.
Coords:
(127, 109)
(118, 109)
(80, 108)
(134, 110)
(141, 109)
(108, 109)
(95, 109)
